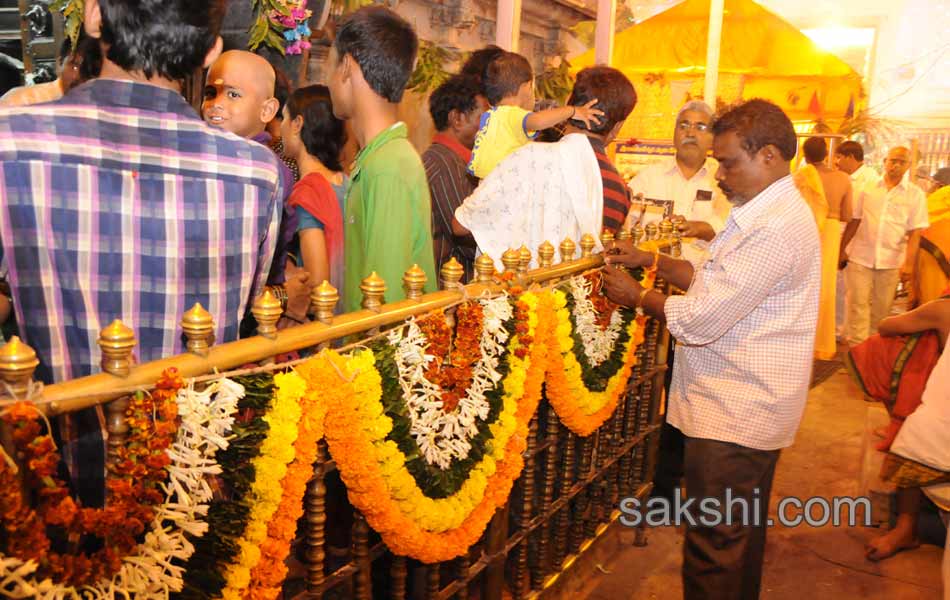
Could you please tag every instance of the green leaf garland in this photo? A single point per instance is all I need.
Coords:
(432, 480)
(227, 517)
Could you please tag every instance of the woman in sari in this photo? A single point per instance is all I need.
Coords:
(828, 194)
(314, 138)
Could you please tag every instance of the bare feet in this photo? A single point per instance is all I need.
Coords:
(890, 543)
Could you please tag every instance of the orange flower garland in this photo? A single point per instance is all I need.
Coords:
(353, 449)
(581, 410)
(453, 377)
(268, 575)
(133, 490)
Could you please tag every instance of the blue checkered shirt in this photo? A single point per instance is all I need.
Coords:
(119, 202)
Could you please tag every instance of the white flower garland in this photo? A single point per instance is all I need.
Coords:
(149, 572)
(598, 343)
(443, 436)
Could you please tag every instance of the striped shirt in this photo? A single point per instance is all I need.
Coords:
(616, 198)
(449, 184)
(745, 329)
(119, 202)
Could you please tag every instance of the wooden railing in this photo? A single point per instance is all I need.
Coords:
(566, 496)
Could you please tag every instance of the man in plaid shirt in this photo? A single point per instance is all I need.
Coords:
(745, 332)
(119, 202)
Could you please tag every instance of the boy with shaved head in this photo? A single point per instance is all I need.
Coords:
(239, 97)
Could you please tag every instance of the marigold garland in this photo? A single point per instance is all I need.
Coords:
(151, 570)
(133, 491)
(268, 575)
(581, 409)
(378, 485)
(270, 467)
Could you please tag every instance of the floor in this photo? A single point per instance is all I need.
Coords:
(801, 562)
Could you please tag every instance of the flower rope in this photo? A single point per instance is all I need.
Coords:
(444, 435)
(153, 569)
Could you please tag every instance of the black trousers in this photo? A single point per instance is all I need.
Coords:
(724, 561)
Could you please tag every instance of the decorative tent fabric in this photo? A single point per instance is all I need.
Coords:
(761, 56)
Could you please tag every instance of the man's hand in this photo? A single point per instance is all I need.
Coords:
(696, 229)
(842, 259)
(621, 288)
(624, 253)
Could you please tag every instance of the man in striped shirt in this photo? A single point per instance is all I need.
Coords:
(547, 192)
(119, 202)
(456, 109)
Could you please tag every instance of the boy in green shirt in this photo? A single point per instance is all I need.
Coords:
(387, 218)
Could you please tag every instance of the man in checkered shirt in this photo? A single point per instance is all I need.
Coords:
(745, 332)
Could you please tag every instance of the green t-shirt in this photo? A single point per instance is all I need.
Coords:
(387, 227)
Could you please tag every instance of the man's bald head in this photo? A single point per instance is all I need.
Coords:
(896, 164)
(239, 93)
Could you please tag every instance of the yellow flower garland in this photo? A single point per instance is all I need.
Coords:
(379, 484)
(270, 467)
(581, 410)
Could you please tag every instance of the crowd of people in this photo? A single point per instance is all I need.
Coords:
(120, 200)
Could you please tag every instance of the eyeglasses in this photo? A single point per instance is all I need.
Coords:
(687, 125)
(896, 160)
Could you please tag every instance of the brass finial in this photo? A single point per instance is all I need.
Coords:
(452, 273)
(637, 232)
(666, 229)
(511, 259)
(266, 310)
(17, 363)
(198, 326)
(413, 281)
(587, 245)
(623, 234)
(524, 259)
(323, 300)
(484, 269)
(116, 342)
(373, 288)
(650, 231)
(567, 249)
(606, 238)
(546, 254)
(677, 249)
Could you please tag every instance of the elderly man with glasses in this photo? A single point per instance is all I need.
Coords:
(892, 213)
(686, 182)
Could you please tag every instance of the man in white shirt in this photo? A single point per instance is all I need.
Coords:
(892, 213)
(686, 180)
(849, 158)
(745, 333)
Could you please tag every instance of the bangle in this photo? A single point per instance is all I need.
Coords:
(279, 292)
(643, 295)
(293, 318)
(573, 112)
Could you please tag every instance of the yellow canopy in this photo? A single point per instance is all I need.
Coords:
(761, 56)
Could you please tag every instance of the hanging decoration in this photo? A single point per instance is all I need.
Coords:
(427, 425)
(147, 569)
(281, 25)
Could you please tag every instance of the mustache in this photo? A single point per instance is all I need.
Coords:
(690, 140)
